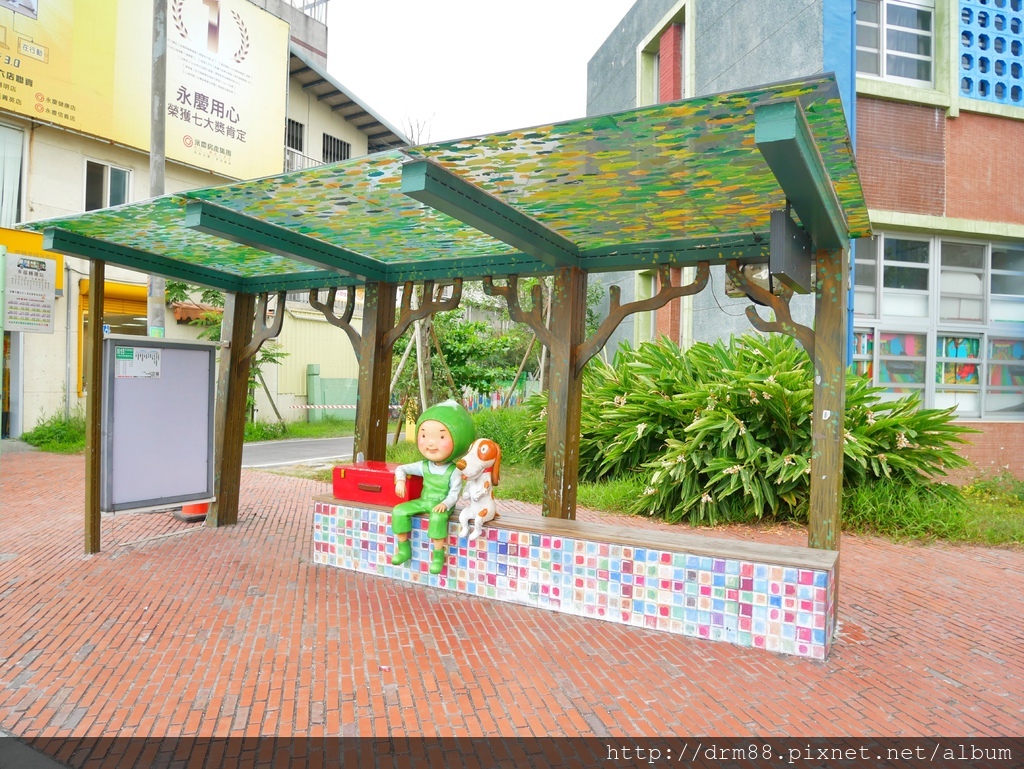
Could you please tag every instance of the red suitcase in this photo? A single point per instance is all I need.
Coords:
(373, 483)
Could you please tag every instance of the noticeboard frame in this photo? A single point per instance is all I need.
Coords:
(156, 436)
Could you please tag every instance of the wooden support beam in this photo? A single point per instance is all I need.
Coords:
(827, 419)
(374, 388)
(618, 312)
(430, 305)
(229, 414)
(241, 343)
(565, 393)
(93, 407)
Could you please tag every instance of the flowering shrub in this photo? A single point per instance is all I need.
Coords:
(723, 431)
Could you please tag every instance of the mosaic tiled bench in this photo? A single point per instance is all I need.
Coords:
(771, 597)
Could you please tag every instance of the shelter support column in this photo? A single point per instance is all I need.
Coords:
(374, 388)
(94, 406)
(229, 416)
(827, 420)
(565, 392)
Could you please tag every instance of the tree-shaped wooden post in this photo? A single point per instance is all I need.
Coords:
(826, 345)
(232, 393)
(374, 350)
(569, 353)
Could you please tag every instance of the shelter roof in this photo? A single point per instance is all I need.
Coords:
(678, 183)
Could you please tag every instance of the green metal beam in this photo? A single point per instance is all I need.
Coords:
(297, 281)
(65, 242)
(256, 233)
(470, 267)
(438, 188)
(784, 138)
(638, 256)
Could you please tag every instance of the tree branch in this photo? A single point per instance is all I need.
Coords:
(267, 329)
(534, 318)
(784, 323)
(431, 304)
(617, 313)
(344, 322)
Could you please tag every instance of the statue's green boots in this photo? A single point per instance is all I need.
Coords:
(403, 552)
(437, 559)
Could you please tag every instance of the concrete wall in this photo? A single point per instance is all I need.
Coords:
(319, 119)
(307, 33)
(739, 45)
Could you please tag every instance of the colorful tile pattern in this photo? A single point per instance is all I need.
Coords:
(777, 608)
(682, 171)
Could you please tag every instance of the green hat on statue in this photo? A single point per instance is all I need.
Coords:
(454, 416)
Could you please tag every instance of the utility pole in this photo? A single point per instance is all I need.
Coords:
(155, 304)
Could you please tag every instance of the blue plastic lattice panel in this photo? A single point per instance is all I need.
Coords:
(992, 51)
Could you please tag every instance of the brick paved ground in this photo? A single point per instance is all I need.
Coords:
(176, 629)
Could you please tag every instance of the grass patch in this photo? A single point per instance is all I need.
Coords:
(995, 514)
(326, 428)
(526, 484)
(903, 513)
(58, 434)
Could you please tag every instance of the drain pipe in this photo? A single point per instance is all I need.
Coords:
(67, 340)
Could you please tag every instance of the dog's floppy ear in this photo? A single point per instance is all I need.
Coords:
(496, 469)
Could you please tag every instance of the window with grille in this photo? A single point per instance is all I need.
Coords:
(294, 135)
(335, 149)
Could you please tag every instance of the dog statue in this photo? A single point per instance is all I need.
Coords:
(480, 468)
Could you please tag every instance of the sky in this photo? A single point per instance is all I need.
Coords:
(448, 69)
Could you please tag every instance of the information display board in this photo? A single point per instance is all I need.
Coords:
(157, 422)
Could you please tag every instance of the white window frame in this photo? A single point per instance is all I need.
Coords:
(107, 167)
(883, 49)
(931, 329)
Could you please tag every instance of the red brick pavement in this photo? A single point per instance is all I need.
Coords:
(177, 629)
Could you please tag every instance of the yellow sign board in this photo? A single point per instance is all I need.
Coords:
(31, 244)
(86, 65)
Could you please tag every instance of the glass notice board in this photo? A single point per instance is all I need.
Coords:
(156, 444)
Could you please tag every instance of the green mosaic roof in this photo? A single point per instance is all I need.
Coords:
(653, 184)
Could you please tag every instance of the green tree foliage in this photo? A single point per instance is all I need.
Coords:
(475, 354)
(209, 324)
(723, 431)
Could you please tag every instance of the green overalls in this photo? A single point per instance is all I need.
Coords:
(436, 486)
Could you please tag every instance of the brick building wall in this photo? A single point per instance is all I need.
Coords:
(901, 156)
(985, 157)
(997, 448)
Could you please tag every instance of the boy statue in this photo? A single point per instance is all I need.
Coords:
(443, 434)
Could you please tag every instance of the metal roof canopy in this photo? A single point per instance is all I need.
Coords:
(692, 182)
(677, 183)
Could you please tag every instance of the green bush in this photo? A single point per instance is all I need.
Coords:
(507, 427)
(403, 452)
(58, 434)
(724, 430)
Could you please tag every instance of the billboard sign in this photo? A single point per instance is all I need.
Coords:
(86, 65)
